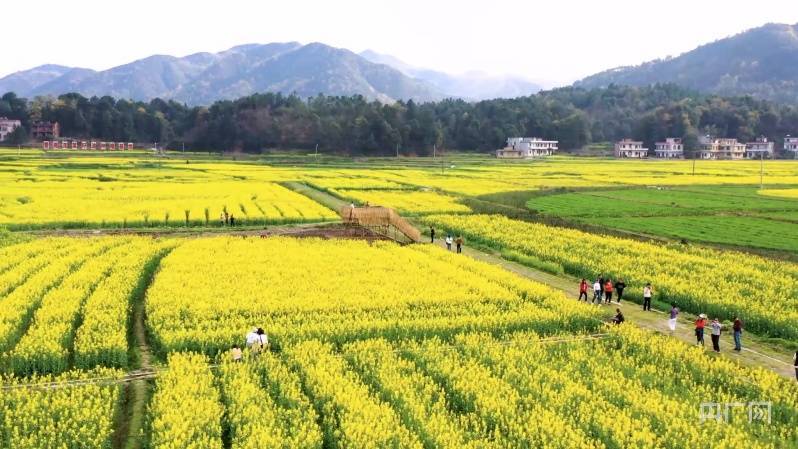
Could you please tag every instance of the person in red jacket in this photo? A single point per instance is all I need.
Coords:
(608, 291)
(583, 290)
(699, 329)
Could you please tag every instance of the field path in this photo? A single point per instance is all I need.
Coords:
(756, 352)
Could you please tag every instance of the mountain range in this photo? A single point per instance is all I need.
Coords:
(761, 62)
(202, 78)
(291, 67)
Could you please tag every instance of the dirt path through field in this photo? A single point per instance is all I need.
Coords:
(756, 352)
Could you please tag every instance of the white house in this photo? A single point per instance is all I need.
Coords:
(527, 147)
(720, 148)
(628, 148)
(7, 126)
(791, 145)
(759, 149)
(672, 148)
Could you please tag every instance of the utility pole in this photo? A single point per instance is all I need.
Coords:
(397, 150)
(184, 147)
(316, 154)
(443, 158)
(761, 170)
(693, 165)
(433, 151)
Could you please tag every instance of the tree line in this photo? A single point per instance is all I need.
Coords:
(577, 117)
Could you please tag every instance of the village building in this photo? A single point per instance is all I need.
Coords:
(526, 148)
(761, 148)
(718, 148)
(628, 148)
(7, 126)
(671, 148)
(791, 145)
(45, 130)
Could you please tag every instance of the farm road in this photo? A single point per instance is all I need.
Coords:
(756, 352)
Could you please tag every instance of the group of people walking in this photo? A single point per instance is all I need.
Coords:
(716, 327)
(602, 290)
(449, 240)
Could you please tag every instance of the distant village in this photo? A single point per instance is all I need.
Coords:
(49, 136)
(710, 148)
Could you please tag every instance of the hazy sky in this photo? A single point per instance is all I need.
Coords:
(558, 41)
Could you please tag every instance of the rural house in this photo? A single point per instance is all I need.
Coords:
(628, 148)
(7, 126)
(45, 130)
(761, 148)
(791, 145)
(672, 148)
(527, 147)
(720, 148)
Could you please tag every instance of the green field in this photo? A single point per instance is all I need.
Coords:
(728, 215)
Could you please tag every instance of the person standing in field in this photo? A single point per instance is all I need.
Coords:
(608, 291)
(647, 297)
(222, 218)
(449, 241)
(699, 329)
(459, 243)
(236, 353)
(261, 342)
(673, 317)
(596, 292)
(620, 285)
(716, 328)
(252, 337)
(583, 290)
(232, 220)
(737, 327)
(431, 234)
(226, 217)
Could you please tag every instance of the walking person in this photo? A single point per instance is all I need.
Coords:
(459, 243)
(738, 334)
(620, 285)
(596, 292)
(449, 241)
(716, 328)
(608, 291)
(431, 234)
(673, 317)
(226, 218)
(583, 290)
(232, 220)
(647, 297)
(699, 329)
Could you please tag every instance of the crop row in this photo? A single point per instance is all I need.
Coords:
(629, 389)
